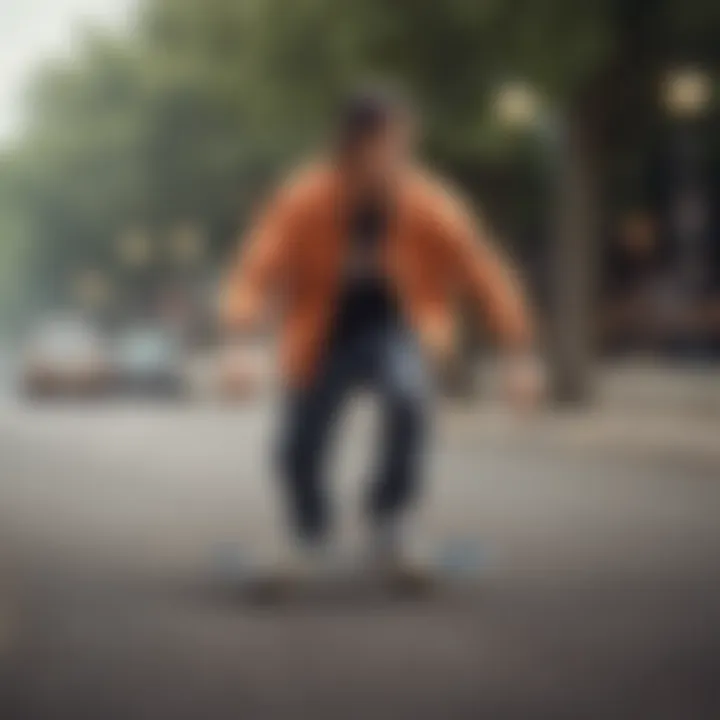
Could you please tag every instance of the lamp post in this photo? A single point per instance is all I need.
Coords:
(686, 92)
(572, 228)
(92, 289)
(517, 105)
(187, 245)
(686, 95)
(134, 249)
(135, 254)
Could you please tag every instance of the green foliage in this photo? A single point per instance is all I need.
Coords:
(188, 116)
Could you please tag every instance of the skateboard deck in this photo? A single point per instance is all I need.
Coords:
(455, 564)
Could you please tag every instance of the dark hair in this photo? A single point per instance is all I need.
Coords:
(365, 113)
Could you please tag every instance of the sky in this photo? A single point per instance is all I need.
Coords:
(34, 31)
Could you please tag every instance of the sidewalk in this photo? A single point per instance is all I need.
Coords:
(645, 385)
(654, 386)
(639, 408)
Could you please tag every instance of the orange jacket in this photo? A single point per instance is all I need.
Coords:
(432, 253)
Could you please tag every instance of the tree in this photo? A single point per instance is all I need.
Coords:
(186, 118)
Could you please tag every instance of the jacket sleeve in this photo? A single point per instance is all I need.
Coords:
(478, 267)
(259, 267)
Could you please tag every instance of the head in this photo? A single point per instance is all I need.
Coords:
(375, 135)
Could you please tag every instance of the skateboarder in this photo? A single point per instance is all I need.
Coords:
(363, 253)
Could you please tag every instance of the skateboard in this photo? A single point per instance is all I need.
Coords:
(456, 563)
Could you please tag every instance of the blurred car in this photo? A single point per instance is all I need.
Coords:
(148, 360)
(66, 357)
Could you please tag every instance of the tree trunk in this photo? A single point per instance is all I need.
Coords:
(573, 264)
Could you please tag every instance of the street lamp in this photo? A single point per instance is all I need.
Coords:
(686, 92)
(571, 199)
(135, 253)
(517, 105)
(188, 244)
(92, 289)
(686, 95)
(135, 249)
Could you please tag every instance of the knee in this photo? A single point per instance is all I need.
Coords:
(408, 391)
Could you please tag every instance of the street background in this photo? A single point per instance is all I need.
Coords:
(137, 141)
(595, 591)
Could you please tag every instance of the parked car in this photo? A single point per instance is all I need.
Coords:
(65, 357)
(149, 360)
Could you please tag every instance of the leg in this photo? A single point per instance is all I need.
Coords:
(309, 415)
(405, 395)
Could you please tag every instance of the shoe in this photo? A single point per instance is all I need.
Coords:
(287, 575)
(400, 565)
(408, 581)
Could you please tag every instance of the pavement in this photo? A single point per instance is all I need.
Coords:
(598, 596)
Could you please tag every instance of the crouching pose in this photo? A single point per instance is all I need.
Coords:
(364, 253)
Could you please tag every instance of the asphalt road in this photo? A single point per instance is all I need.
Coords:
(598, 595)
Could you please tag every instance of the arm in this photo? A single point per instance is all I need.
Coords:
(488, 277)
(259, 267)
(480, 269)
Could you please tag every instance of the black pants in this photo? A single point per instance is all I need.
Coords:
(388, 362)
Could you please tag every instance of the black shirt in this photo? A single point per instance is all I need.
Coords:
(367, 301)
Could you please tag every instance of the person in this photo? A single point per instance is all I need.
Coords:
(364, 252)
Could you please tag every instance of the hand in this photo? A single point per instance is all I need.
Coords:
(524, 382)
(240, 371)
